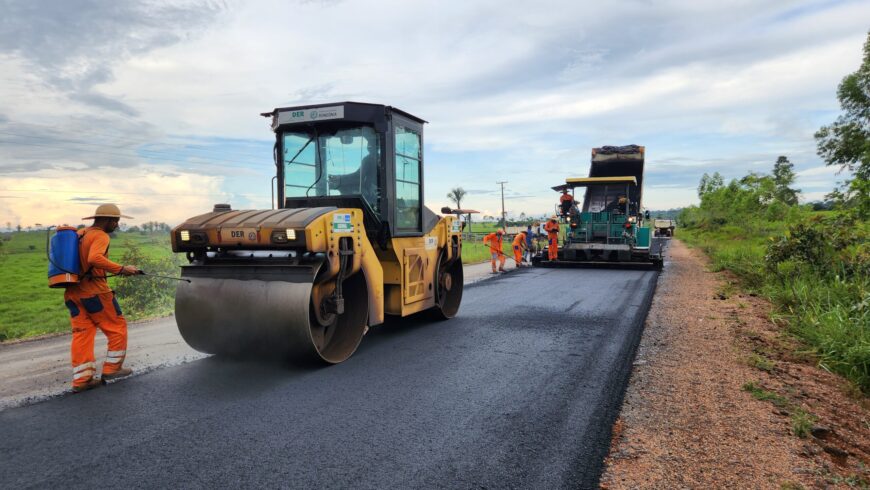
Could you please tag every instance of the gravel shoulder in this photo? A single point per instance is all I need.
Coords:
(690, 418)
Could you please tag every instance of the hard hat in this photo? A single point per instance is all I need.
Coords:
(554, 217)
(108, 211)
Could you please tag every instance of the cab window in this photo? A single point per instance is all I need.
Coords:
(408, 165)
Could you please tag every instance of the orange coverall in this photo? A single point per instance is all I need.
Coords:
(494, 240)
(92, 305)
(552, 229)
(519, 244)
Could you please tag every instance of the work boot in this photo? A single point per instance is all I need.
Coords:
(91, 384)
(501, 269)
(121, 373)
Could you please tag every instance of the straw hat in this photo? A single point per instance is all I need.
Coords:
(108, 211)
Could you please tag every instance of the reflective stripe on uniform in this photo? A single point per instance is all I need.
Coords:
(84, 374)
(82, 367)
(115, 356)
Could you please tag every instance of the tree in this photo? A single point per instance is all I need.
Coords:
(783, 177)
(8, 226)
(710, 183)
(846, 142)
(18, 227)
(457, 194)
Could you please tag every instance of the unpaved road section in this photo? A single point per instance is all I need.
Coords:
(520, 390)
(688, 420)
(39, 369)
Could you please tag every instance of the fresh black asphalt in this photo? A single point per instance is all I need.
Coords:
(518, 391)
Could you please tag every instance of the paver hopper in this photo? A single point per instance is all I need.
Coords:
(350, 242)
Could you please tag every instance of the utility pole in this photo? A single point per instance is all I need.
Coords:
(503, 215)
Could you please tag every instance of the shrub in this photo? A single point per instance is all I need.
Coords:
(144, 296)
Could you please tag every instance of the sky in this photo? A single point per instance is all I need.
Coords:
(154, 105)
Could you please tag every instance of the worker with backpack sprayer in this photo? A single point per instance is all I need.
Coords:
(92, 304)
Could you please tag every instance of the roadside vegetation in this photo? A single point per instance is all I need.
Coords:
(812, 261)
(30, 308)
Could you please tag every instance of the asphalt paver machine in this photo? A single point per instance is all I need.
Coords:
(608, 226)
(350, 242)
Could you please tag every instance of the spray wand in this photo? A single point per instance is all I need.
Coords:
(143, 273)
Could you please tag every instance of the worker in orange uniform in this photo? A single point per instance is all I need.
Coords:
(92, 305)
(566, 201)
(495, 250)
(552, 229)
(519, 245)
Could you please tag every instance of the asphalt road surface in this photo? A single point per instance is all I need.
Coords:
(519, 390)
(36, 369)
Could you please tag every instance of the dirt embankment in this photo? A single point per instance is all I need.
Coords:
(721, 398)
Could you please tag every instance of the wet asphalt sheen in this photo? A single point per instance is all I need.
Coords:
(518, 391)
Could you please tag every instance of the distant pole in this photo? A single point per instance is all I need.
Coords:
(503, 215)
(468, 233)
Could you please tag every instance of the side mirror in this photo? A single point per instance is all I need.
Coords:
(646, 214)
(346, 139)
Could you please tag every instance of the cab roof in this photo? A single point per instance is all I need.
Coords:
(346, 104)
(573, 182)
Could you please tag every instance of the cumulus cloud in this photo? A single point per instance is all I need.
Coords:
(57, 198)
(513, 91)
(73, 46)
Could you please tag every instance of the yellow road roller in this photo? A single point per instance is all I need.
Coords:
(349, 242)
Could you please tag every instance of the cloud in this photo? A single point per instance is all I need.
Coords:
(62, 198)
(90, 200)
(514, 91)
(73, 46)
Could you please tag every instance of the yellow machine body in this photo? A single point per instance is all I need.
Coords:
(350, 242)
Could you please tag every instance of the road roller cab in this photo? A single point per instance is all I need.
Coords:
(350, 242)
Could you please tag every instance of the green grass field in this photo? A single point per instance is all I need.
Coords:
(28, 306)
(475, 252)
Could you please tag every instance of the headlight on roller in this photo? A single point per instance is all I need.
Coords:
(185, 235)
(283, 236)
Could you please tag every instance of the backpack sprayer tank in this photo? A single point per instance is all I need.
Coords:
(64, 265)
